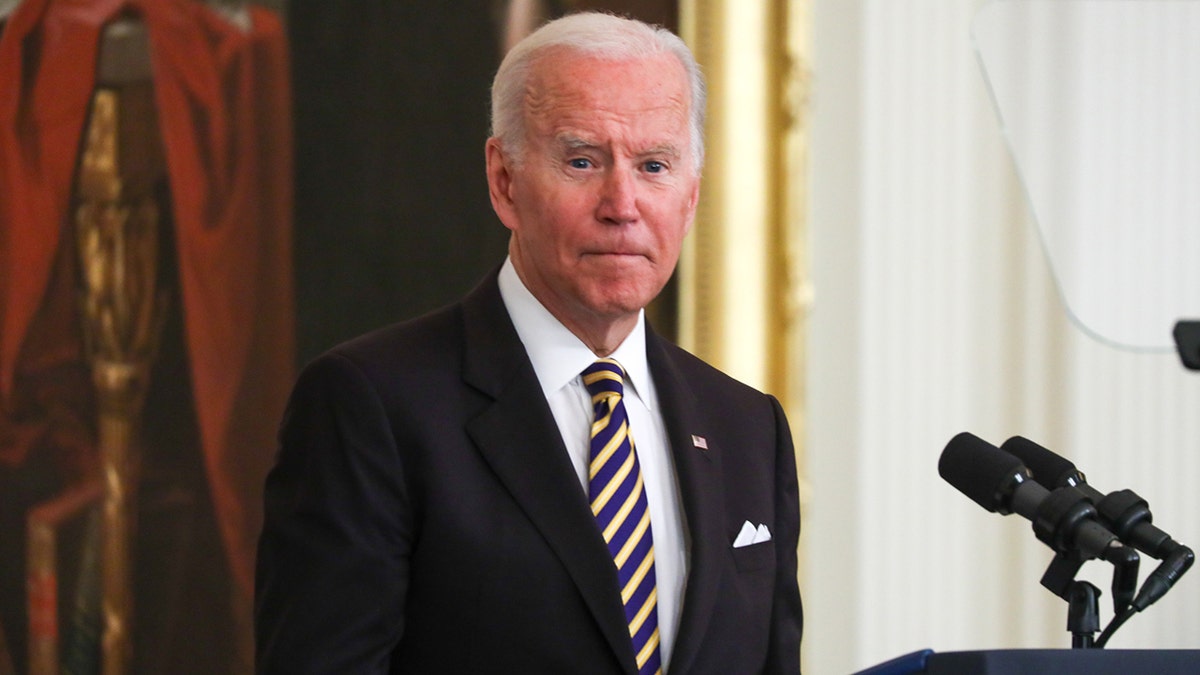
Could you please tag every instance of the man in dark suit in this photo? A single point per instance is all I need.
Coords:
(531, 480)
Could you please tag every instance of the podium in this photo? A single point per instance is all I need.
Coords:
(1057, 661)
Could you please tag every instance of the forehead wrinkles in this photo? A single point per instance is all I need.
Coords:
(563, 93)
(542, 102)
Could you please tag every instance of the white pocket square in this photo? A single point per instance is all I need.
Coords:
(751, 535)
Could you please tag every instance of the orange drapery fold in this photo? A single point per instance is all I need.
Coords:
(223, 98)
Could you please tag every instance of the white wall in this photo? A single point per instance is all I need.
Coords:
(934, 313)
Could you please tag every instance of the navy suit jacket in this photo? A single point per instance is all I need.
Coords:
(424, 517)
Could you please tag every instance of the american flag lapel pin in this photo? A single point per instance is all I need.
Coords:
(700, 442)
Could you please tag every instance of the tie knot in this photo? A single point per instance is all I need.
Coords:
(604, 378)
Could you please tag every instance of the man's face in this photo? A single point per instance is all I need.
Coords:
(606, 188)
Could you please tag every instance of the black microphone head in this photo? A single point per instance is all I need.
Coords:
(981, 471)
(1049, 469)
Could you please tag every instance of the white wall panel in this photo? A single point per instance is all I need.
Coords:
(934, 313)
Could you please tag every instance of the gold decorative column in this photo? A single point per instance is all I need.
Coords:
(116, 227)
(743, 290)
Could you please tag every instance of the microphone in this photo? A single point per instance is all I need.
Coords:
(1124, 512)
(1064, 519)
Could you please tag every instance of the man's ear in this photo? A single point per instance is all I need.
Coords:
(500, 182)
(693, 201)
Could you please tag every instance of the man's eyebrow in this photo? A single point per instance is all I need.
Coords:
(662, 150)
(573, 142)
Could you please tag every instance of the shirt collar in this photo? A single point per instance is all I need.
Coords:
(558, 356)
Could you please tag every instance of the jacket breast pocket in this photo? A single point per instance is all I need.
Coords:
(755, 556)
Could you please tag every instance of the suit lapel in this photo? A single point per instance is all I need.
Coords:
(519, 439)
(699, 474)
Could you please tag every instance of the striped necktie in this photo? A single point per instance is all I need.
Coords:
(618, 500)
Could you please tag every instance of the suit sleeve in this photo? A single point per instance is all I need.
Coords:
(333, 557)
(787, 614)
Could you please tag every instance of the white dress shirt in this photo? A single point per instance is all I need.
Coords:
(558, 358)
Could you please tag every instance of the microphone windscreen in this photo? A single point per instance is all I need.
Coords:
(979, 470)
(1049, 469)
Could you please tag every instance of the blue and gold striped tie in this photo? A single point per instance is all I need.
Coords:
(618, 500)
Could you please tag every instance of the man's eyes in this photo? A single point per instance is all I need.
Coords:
(651, 166)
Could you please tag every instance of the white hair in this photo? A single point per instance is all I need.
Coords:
(594, 34)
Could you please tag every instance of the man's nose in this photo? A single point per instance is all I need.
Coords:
(618, 199)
